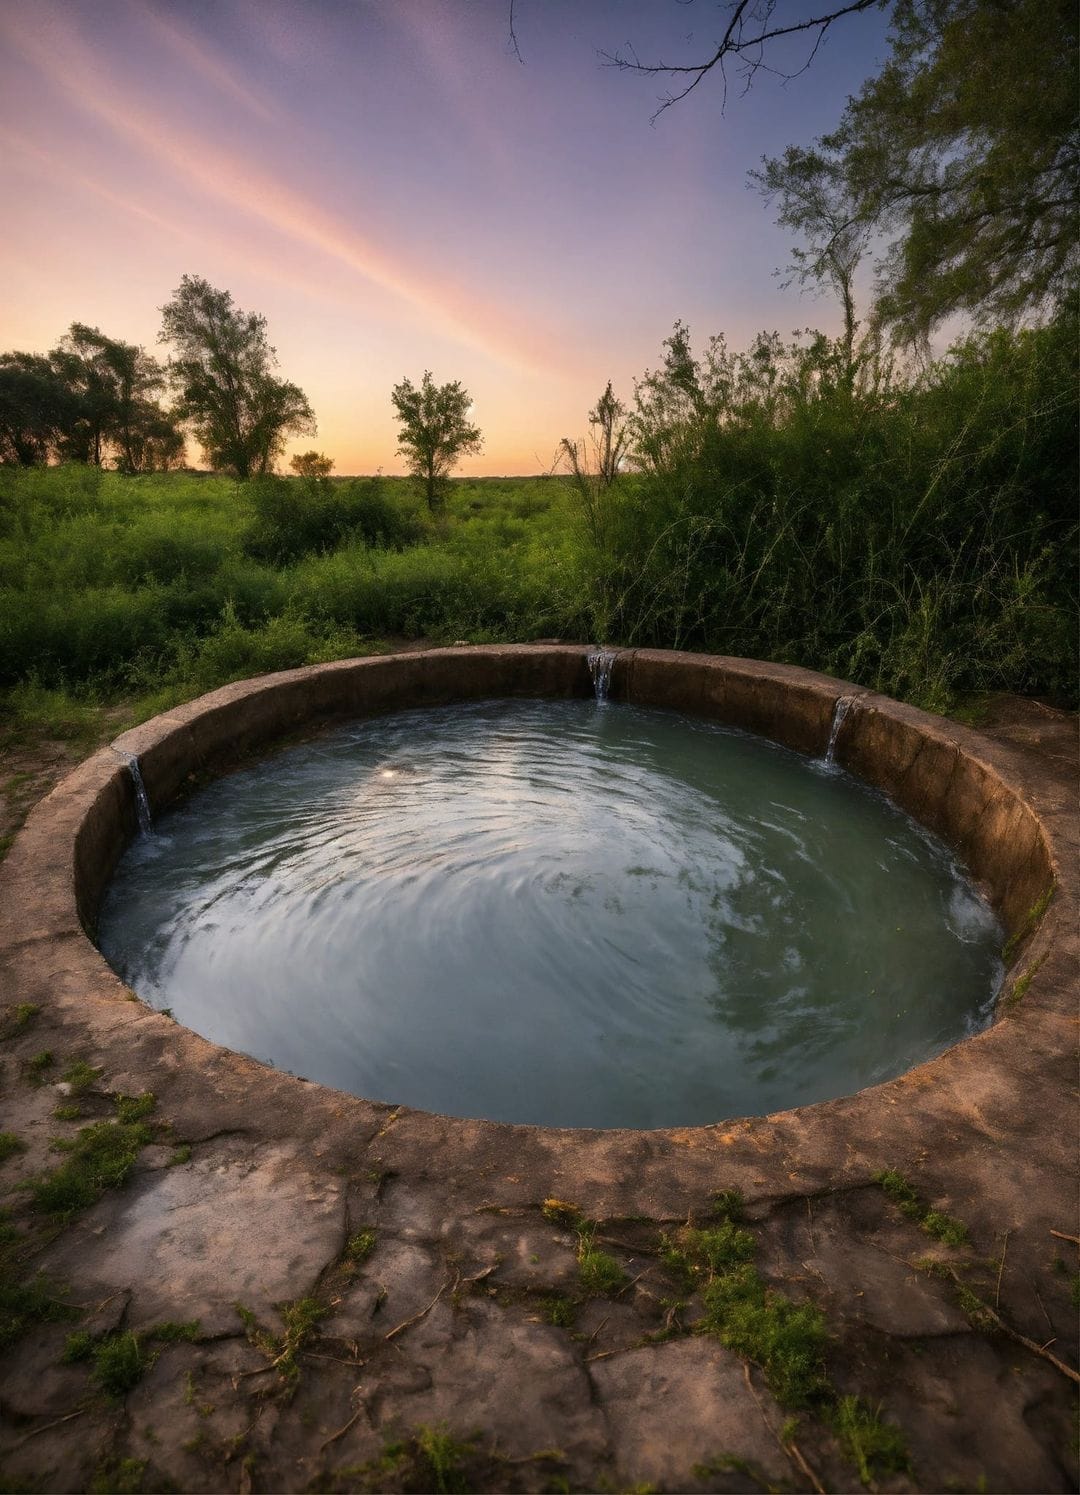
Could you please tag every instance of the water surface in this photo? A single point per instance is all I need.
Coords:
(556, 912)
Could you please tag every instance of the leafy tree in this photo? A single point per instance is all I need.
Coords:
(814, 200)
(312, 465)
(113, 386)
(36, 409)
(964, 150)
(967, 147)
(239, 411)
(435, 431)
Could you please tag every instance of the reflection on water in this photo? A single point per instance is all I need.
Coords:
(547, 912)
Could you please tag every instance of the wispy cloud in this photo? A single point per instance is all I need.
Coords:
(205, 63)
(82, 76)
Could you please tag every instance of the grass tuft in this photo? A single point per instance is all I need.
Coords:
(600, 1275)
(873, 1446)
(100, 1157)
(16, 1019)
(10, 1145)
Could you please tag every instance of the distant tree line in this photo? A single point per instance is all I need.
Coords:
(96, 399)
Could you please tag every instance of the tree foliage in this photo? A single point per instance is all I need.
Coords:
(239, 411)
(312, 465)
(36, 409)
(966, 147)
(92, 399)
(815, 201)
(114, 386)
(959, 161)
(435, 431)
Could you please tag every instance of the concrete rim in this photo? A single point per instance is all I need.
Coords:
(1014, 835)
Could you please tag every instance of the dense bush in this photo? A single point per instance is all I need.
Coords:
(918, 538)
(311, 516)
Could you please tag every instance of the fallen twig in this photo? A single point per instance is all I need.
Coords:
(607, 1354)
(408, 1323)
(1001, 1268)
(46, 1426)
(790, 1450)
(342, 1431)
(1061, 1236)
(1014, 1334)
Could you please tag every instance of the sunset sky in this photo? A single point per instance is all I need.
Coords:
(395, 191)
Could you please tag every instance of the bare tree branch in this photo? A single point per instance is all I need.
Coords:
(513, 37)
(749, 30)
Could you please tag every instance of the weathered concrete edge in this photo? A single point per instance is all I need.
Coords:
(1017, 836)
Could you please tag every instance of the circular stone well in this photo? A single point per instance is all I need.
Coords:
(276, 1173)
(936, 771)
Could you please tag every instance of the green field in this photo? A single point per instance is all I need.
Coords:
(918, 539)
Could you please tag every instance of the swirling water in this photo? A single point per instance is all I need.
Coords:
(555, 913)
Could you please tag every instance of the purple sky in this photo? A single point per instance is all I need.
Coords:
(395, 191)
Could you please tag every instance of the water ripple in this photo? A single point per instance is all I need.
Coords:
(538, 911)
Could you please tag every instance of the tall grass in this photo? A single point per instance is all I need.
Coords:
(917, 539)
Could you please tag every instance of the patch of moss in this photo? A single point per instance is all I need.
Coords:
(787, 1340)
(120, 1477)
(729, 1205)
(131, 1108)
(300, 1319)
(67, 1113)
(944, 1228)
(560, 1212)
(180, 1156)
(444, 1456)
(906, 1198)
(557, 1310)
(100, 1157)
(1018, 990)
(37, 1065)
(360, 1245)
(731, 1463)
(173, 1332)
(694, 1256)
(35, 1301)
(119, 1361)
(1030, 922)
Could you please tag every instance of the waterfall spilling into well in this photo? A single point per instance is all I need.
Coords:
(142, 802)
(840, 711)
(600, 662)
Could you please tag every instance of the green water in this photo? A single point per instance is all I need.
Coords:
(558, 913)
